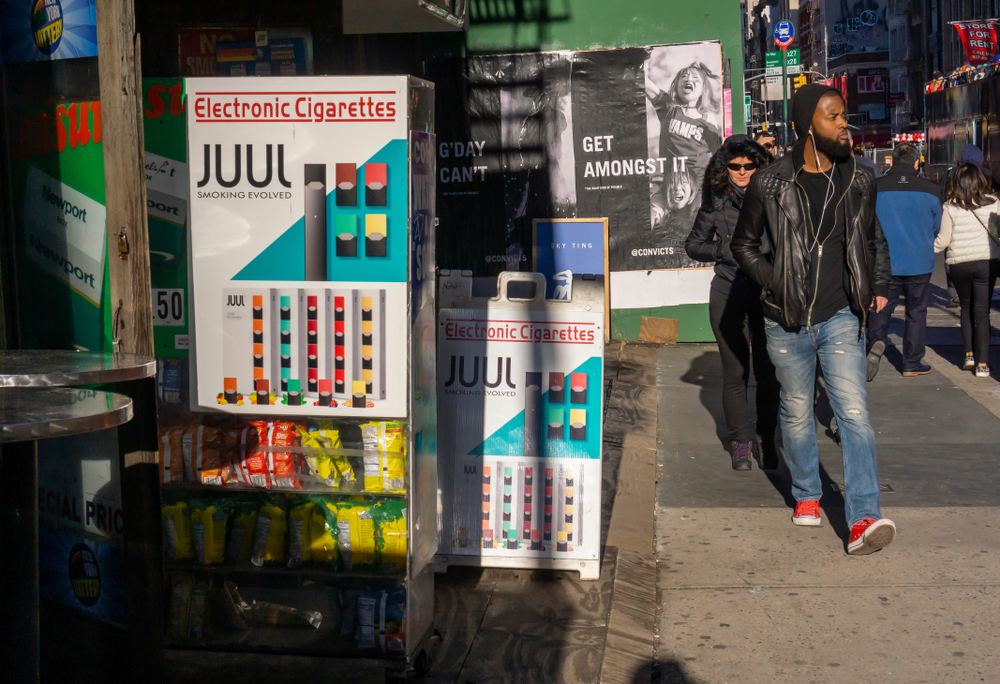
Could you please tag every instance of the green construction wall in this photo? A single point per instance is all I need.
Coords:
(692, 326)
(597, 24)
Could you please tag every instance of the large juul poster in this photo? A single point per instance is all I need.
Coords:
(299, 222)
(625, 134)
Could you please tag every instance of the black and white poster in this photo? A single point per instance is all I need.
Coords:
(618, 134)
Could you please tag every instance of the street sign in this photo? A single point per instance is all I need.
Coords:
(772, 63)
(747, 108)
(784, 33)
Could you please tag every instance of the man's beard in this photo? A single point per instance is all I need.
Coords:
(832, 148)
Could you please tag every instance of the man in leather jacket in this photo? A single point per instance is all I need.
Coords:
(809, 236)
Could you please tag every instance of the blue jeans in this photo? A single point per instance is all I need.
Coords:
(841, 351)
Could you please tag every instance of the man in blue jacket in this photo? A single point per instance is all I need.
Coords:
(909, 209)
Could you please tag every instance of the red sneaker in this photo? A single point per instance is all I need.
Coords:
(870, 535)
(807, 513)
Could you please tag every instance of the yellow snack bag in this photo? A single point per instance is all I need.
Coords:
(392, 531)
(330, 469)
(324, 543)
(355, 534)
(239, 548)
(269, 539)
(208, 530)
(300, 534)
(384, 460)
(177, 542)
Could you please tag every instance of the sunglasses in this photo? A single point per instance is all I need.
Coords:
(744, 167)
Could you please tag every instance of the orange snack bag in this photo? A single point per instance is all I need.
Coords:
(282, 465)
(171, 456)
(203, 461)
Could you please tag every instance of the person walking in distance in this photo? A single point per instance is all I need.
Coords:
(808, 234)
(734, 304)
(971, 252)
(909, 210)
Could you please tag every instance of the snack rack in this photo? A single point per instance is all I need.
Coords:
(298, 460)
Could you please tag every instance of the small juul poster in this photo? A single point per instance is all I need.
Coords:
(299, 244)
(520, 464)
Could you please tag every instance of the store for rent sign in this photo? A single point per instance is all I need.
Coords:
(979, 39)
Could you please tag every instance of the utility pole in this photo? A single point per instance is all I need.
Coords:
(784, 95)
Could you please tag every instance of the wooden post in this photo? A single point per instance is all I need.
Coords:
(124, 175)
(119, 65)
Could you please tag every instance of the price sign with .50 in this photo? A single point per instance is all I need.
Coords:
(168, 307)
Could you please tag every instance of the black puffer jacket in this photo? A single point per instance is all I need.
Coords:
(713, 230)
(773, 213)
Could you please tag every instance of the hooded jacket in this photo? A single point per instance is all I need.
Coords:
(773, 212)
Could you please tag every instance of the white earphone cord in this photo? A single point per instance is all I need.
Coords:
(827, 198)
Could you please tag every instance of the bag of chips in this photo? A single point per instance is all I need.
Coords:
(239, 546)
(179, 609)
(269, 538)
(171, 456)
(355, 534)
(281, 465)
(300, 534)
(177, 542)
(332, 470)
(385, 462)
(380, 621)
(204, 462)
(324, 540)
(390, 517)
(209, 523)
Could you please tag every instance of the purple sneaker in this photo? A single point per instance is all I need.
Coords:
(741, 456)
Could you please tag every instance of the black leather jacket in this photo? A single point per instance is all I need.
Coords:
(772, 220)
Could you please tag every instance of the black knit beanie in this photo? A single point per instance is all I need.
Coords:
(804, 106)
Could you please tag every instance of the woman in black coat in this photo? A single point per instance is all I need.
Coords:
(734, 304)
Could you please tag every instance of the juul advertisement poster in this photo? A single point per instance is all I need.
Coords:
(521, 466)
(299, 244)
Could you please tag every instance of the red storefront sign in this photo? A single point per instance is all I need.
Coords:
(979, 39)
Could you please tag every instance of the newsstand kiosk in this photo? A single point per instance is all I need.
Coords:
(300, 478)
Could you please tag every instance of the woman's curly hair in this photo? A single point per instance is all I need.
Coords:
(716, 184)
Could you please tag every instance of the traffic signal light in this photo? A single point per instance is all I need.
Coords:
(800, 81)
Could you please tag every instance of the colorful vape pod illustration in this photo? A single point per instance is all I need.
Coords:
(375, 185)
(376, 237)
(347, 185)
(347, 235)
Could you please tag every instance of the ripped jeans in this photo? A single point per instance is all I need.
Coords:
(841, 352)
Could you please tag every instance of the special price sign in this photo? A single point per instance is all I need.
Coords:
(979, 39)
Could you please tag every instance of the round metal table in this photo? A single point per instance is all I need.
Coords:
(28, 414)
(56, 368)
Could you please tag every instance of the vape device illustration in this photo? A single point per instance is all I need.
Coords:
(578, 424)
(295, 392)
(229, 390)
(312, 345)
(346, 352)
(263, 392)
(556, 423)
(508, 486)
(258, 337)
(376, 237)
(326, 392)
(569, 506)
(347, 185)
(288, 328)
(315, 221)
(524, 476)
(347, 234)
(375, 185)
(557, 388)
(358, 397)
(372, 337)
(487, 531)
(548, 505)
(532, 413)
(578, 388)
